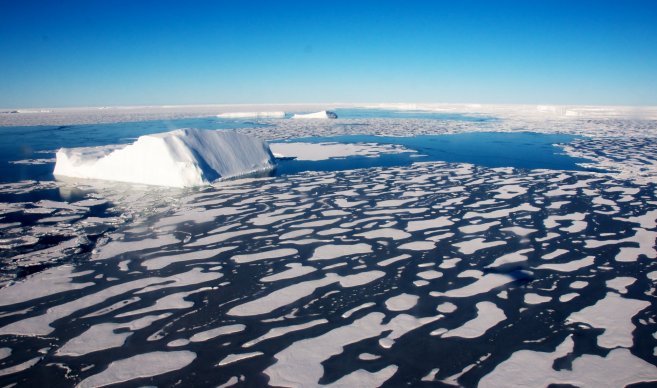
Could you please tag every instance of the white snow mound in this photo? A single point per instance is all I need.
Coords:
(255, 115)
(325, 114)
(181, 158)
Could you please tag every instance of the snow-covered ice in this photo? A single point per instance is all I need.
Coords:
(328, 150)
(324, 114)
(254, 115)
(180, 158)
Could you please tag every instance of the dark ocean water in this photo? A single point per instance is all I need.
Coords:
(526, 150)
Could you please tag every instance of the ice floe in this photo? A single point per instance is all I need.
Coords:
(254, 115)
(401, 269)
(142, 365)
(613, 314)
(488, 315)
(328, 150)
(324, 114)
(527, 368)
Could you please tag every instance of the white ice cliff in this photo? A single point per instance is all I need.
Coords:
(181, 158)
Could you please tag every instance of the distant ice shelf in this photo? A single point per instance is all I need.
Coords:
(325, 114)
(181, 158)
(255, 115)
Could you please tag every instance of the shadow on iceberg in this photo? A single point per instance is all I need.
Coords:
(181, 158)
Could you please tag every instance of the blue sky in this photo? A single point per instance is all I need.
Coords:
(115, 52)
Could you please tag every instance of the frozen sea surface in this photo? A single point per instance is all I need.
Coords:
(433, 273)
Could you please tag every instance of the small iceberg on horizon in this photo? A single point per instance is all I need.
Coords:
(325, 114)
(180, 158)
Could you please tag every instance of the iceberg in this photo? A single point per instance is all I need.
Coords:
(255, 115)
(180, 158)
(325, 114)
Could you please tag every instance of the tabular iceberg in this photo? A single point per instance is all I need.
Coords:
(325, 114)
(181, 158)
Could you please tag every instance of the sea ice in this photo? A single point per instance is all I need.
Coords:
(141, 365)
(446, 307)
(266, 255)
(46, 283)
(527, 368)
(20, 367)
(301, 363)
(280, 331)
(324, 151)
(569, 266)
(532, 298)
(488, 315)
(487, 283)
(231, 358)
(295, 270)
(334, 251)
(391, 233)
(254, 115)
(418, 246)
(614, 314)
(513, 257)
(401, 302)
(324, 114)
(471, 246)
(214, 333)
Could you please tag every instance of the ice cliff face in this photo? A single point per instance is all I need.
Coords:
(181, 158)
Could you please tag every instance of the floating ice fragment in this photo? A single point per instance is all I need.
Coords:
(324, 151)
(513, 257)
(614, 314)
(570, 266)
(536, 299)
(231, 358)
(418, 246)
(253, 115)
(325, 114)
(487, 283)
(446, 307)
(295, 270)
(141, 365)
(621, 283)
(526, 368)
(280, 331)
(365, 378)
(271, 254)
(488, 315)
(219, 331)
(334, 251)
(429, 275)
(49, 282)
(401, 302)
